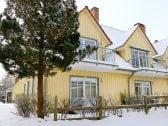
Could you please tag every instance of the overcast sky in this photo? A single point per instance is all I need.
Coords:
(123, 14)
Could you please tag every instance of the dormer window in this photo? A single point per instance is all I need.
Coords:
(139, 58)
(91, 42)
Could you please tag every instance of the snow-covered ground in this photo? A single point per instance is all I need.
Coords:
(8, 117)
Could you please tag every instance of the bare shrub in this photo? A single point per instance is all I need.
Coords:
(48, 105)
(105, 103)
(24, 105)
(64, 103)
(123, 98)
(112, 101)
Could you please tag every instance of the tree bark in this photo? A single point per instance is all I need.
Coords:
(40, 100)
(40, 111)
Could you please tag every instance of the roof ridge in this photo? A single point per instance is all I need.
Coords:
(163, 39)
(98, 24)
(112, 28)
(159, 41)
(130, 28)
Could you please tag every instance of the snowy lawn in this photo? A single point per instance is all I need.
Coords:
(8, 117)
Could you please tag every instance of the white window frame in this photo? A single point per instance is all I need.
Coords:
(84, 86)
(91, 42)
(108, 55)
(33, 86)
(28, 87)
(25, 88)
(143, 85)
(139, 58)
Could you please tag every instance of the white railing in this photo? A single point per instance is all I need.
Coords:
(102, 54)
(149, 62)
(108, 55)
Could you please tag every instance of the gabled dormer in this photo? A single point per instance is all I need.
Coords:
(133, 45)
(90, 27)
(92, 34)
(162, 49)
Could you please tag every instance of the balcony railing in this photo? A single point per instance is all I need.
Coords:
(102, 55)
(148, 62)
(102, 59)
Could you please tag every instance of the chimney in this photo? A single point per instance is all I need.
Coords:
(142, 26)
(95, 12)
(155, 41)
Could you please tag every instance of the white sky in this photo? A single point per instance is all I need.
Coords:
(123, 14)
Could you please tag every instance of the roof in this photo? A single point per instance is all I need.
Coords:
(101, 29)
(122, 64)
(118, 37)
(161, 46)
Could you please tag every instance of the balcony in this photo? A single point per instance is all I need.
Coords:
(101, 60)
(147, 66)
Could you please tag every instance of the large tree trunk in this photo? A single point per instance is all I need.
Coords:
(40, 111)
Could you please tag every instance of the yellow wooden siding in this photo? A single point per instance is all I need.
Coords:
(158, 85)
(18, 88)
(88, 28)
(110, 84)
(123, 53)
(164, 59)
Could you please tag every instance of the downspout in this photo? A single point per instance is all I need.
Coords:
(129, 83)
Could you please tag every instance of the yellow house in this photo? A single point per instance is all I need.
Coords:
(162, 49)
(125, 62)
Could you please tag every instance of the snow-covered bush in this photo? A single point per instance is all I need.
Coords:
(24, 105)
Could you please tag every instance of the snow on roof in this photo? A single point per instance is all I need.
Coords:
(118, 37)
(122, 64)
(161, 46)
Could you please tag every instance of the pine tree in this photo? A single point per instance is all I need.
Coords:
(37, 36)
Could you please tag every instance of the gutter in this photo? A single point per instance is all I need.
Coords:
(128, 70)
(153, 71)
(97, 62)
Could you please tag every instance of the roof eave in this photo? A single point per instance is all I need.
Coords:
(86, 8)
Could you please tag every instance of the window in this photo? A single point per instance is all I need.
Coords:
(82, 88)
(108, 55)
(90, 87)
(142, 88)
(28, 85)
(76, 87)
(33, 85)
(24, 89)
(91, 42)
(139, 58)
